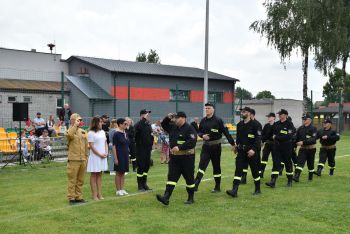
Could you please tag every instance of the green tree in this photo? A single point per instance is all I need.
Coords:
(245, 94)
(141, 57)
(152, 57)
(264, 95)
(331, 90)
(289, 27)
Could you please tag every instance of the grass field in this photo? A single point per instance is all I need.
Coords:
(34, 201)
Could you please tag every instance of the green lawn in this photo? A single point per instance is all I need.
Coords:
(34, 201)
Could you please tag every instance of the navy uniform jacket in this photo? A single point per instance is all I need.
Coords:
(333, 136)
(283, 131)
(308, 135)
(214, 127)
(248, 136)
(185, 137)
(143, 134)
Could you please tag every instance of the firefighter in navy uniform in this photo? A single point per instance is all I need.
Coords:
(245, 169)
(328, 139)
(182, 139)
(248, 142)
(306, 138)
(267, 140)
(144, 142)
(294, 150)
(211, 129)
(282, 134)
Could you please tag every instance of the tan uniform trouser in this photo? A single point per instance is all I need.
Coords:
(75, 171)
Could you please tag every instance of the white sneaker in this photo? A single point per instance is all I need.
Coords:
(126, 173)
(112, 173)
(119, 193)
(125, 193)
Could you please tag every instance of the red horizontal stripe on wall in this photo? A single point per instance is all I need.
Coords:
(228, 97)
(146, 94)
(196, 96)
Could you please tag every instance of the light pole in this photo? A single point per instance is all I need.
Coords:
(205, 92)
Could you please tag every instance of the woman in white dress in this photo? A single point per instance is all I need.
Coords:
(97, 162)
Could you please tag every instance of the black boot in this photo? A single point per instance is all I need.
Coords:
(140, 184)
(190, 199)
(217, 185)
(331, 171)
(290, 181)
(311, 175)
(319, 171)
(257, 188)
(233, 191)
(272, 183)
(145, 186)
(165, 198)
(244, 178)
(296, 175)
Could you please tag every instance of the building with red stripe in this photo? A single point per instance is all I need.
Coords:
(120, 88)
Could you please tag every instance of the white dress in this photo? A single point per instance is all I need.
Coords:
(95, 162)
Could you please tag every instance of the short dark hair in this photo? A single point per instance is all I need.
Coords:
(94, 125)
(120, 121)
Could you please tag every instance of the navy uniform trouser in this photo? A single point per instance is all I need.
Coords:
(308, 156)
(210, 153)
(181, 165)
(282, 154)
(327, 154)
(267, 150)
(143, 159)
(242, 160)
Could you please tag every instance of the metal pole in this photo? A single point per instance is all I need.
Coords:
(62, 88)
(115, 96)
(129, 98)
(205, 94)
(176, 98)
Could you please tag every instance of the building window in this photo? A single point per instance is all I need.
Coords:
(27, 99)
(215, 97)
(12, 99)
(182, 95)
(59, 103)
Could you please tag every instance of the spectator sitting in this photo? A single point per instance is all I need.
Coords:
(24, 146)
(44, 142)
(51, 126)
(39, 124)
(29, 128)
(64, 115)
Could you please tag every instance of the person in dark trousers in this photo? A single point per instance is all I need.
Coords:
(328, 139)
(182, 139)
(248, 142)
(132, 144)
(64, 115)
(306, 138)
(294, 149)
(267, 140)
(211, 129)
(245, 168)
(282, 136)
(144, 142)
(195, 124)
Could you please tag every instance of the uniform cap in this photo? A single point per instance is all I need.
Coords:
(327, 121)
(283, 112)
(209, 104)
(271, 114)
(306, 116)
(252, 111)
(180, 114)
(246, 109)
(144, 111)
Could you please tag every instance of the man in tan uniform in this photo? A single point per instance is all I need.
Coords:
(77, 159)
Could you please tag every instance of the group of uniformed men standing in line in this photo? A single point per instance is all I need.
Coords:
(278, 138)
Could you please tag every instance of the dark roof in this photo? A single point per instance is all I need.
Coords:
(331, 110)
(31, 85)
(150, 68)
(89, 88)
